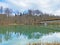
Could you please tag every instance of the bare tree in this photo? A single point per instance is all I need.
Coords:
(1, 9)
(30, 12)
(17, 12)
(8, 11)
(21, 14)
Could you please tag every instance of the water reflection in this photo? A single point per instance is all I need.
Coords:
(12, 38)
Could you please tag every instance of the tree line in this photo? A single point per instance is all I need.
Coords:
(9, 11)
(31, 17)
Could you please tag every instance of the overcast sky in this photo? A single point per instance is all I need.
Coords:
(48, 6)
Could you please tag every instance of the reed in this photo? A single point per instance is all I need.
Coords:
(43, 44)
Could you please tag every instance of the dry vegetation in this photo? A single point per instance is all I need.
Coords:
(32, 17)
(26, 19)
(43, 44)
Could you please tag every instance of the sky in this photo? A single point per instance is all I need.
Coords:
(46, 6)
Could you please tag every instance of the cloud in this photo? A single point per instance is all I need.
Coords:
(57, 12)
(3, 4)
(47, 6)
